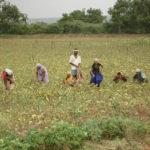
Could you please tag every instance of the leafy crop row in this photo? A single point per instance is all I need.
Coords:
(65, 135)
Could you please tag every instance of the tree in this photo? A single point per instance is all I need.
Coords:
(79, 15)
(94, 16)
(91, 16)
(11, 14)
(11, 19)
(119, 13)
(65, 18)
(131, 16)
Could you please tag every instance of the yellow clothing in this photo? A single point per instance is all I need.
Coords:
(69, 80)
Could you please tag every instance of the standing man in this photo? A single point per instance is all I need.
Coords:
(75, 61)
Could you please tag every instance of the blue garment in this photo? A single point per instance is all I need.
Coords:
(97, 79)
(142, 74)
(74, 73)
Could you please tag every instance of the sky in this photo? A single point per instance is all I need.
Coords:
(55, 8)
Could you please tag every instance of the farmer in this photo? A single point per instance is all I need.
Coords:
(69, 79)
(119, 77)
(75, 61)
(41, 73)
(96, 76)
(8, 79)
(140, 77)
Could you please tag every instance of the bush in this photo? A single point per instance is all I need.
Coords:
(13, 28)
(81, 27)
(53, 28)
(13, 142)
(65, 135)
(37, 28)
(93, 28)
(110, 128)
(59, 136)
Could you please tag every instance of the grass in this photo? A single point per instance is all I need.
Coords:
(36, 105)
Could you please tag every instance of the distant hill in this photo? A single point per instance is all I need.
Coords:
(45, 20)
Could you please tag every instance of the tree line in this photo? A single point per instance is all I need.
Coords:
(126, 16)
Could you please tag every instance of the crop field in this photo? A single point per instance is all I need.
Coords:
(37, 105)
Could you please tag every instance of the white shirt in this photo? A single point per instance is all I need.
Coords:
(75, 61)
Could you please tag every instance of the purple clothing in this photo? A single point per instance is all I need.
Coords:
(41, 73)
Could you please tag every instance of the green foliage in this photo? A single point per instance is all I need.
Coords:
(13, 28)
(37, 28)
(81, 27)
(57, 136)
(110, 128)
(93, 16)
(67, 135)
(13, 142)
(127, 16)
(53, 28)
(131, 16)
(10, 13)
(12, 21)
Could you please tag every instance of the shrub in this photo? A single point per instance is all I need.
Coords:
(53, 28)
(65, 135)
(13, 142)
(13, 28)
(37, 28)
(110, 128)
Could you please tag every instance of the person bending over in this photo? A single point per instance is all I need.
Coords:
(41, 73)
(140, 77)
(96, 75)
(8, 79)
(69, 79)
(120, 77)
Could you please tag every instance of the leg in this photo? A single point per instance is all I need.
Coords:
(93, 79)
(74, 73)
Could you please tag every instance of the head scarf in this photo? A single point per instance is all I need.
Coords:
(9, 72)
(39, 65)
(142, 74)
(76, 50)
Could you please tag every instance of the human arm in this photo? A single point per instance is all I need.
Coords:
(145, 80)
(101, 68)
(36, 73)
(115, 78)
(91, 72)
(74, 65)
(10, 79)
(71, 61)
(134, 77)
